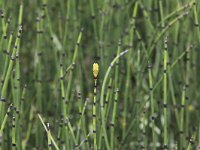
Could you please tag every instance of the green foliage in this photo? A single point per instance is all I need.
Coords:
(145, 95)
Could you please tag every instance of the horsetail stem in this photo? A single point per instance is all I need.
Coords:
(165, 59)
(187, 85)
(164, 30)
(48, 131)
(5, 118)
(115, 99)
(108, 95)
(49, 137)
(71, 71)
(102, 96)
(196, 19)
(67, 123)
(10, 66)
(112, 124)
(95, 74)
(152, 106)
(134, 14)
(8, 52)
(13, 133)
(182, 131)
(81, 120)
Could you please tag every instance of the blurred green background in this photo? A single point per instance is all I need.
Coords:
(151, 98)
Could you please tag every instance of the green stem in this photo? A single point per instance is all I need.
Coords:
(102, 97)
(165, 96)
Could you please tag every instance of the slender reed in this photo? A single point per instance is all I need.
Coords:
(102, 97)
(95, 74)
(152, 106)
(165, 145)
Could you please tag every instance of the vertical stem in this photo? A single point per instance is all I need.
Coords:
(7, 57)
(196, 20)
(152, 106)
(112, 139)
(49, 137)
(108, 97)
(94, 115)
(135, 9)
(102, 97)
(93, 17)
(198, 145)
(11, 64)
(187, 85)
(63, 110)
(13, 134)
(161, 14)
(38, 84)
(95, 74)
(181, 144)
(165, 96)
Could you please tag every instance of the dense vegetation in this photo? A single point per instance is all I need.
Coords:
(141, 93)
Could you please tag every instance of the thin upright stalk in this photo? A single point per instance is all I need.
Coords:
(152, 106)
(165, 145)
(95, 74)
